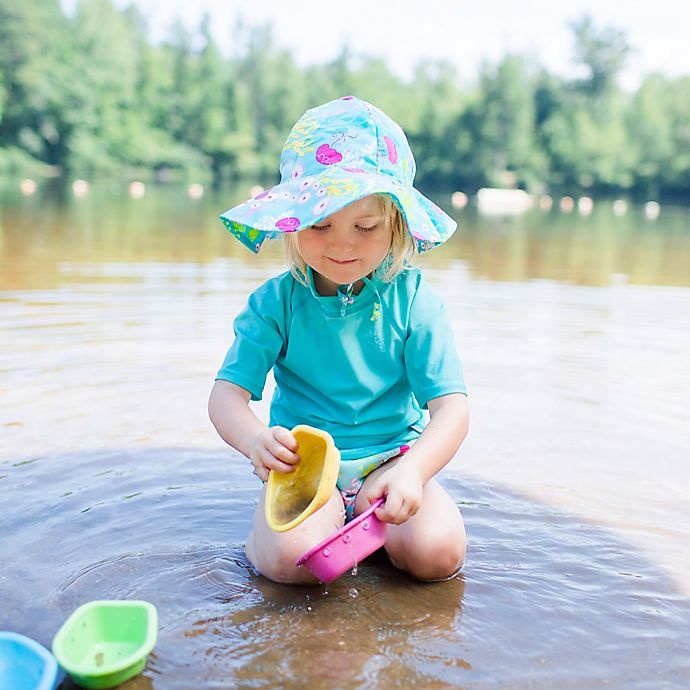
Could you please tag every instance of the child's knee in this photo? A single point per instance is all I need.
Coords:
(279, 565)
(284, 570)
(443, 564)
(437, 557)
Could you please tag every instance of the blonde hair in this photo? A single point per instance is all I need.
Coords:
(402, 251)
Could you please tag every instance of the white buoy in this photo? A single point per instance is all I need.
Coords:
(28, 187)
(545, 202)
(566, 204)
(80, 187)
(195, 190)
(458, 199)
(136, 189)
(652, 209)
(620, 207)
(585, 205)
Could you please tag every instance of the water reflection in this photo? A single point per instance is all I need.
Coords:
(594, 250)
(38, 234)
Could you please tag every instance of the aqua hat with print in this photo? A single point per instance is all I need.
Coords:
(336, 154)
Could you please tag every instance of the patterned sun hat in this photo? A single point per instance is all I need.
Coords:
(336, 154)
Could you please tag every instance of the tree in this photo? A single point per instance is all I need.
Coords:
(650, 132)
(33, 79)
(428, 110)
(90, 93)
(501, 125)
(676, 172)
(603, 53)
(586, 152)
(217, 127)
(585, 129)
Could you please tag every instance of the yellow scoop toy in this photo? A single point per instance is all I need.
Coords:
(291, 497)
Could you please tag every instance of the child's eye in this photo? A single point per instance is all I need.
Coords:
(370, 228)
(320, 228)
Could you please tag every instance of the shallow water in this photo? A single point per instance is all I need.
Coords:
(573, 484)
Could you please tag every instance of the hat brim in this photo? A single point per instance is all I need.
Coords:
(301, 202)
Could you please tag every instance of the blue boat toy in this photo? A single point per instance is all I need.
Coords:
(25, 664)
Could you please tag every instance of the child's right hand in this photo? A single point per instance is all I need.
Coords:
(273, 449)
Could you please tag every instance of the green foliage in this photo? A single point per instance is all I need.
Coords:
(676, 176)
(32, 57)
(89, 94)
(603, 52)
(502, 126)
(16, 161)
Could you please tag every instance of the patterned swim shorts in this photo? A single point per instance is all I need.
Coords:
(353, 473)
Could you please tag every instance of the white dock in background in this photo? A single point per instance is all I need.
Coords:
(494, 201)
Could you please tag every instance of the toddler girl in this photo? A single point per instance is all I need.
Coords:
(359, 344)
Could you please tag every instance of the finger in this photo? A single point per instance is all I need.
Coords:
(283, 456)
(262, 473)
(404, 514)
(390, 510)
(282, 452)
(267, 459)
(409, 508)
(258, 468)
(285, 437)
(378, 488)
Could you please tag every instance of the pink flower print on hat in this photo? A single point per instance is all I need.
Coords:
(326, 155)
(320, 207)
(288, 224)
(392, 151)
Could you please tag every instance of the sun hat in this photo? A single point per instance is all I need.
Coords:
(336, 154)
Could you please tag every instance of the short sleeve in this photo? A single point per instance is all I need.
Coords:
(431, 358)
(259, 338)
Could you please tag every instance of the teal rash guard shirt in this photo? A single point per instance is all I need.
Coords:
(362, 368)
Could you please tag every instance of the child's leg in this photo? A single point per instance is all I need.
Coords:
(274, 554)
(431, 545)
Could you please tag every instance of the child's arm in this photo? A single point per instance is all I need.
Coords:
(267, 448)
(402, 484)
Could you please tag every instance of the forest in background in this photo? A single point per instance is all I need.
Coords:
(88, 95)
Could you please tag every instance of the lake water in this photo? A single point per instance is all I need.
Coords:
(574, 483)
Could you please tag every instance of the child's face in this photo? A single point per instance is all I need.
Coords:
(348, 245)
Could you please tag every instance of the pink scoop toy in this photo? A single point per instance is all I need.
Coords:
(344, 549)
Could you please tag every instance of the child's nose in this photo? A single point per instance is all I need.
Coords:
(340, 237)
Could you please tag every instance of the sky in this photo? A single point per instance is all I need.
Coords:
(463, 32)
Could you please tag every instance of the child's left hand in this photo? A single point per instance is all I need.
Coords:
(401, 486)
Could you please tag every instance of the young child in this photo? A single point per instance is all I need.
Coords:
(359, 344)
